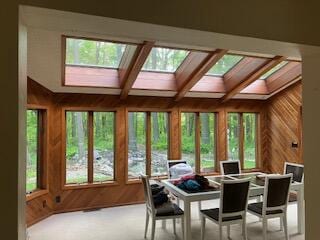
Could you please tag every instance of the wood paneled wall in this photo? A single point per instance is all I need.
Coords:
(284, 121)
(121, 192)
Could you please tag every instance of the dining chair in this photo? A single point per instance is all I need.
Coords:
(233, 207)
(165, 211)
(230, 167)
(297, 171)
(275, 202)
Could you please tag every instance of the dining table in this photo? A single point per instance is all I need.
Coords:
(256, 188)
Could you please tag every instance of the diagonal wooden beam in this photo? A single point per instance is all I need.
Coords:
(199, 72)
(138, 59)
(252, 77)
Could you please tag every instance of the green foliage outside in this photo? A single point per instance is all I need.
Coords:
(94, 53)
(164, 59)
(225, 64)
(32, 149)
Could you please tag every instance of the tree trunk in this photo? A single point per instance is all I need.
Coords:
(132, 132)
(98, 47)
(205, 129)
(76, 52)
(80, 135)
(155, 127)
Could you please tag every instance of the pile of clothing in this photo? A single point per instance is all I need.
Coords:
(159, 195)
(193, 183)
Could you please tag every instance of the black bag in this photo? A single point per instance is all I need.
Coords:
(158, 195)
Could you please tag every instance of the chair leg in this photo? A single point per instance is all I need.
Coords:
(153, 229)
(228, 231)
(244, 230)
(147, 223)
(174, 226)
(265, 228)
(203, 226)
(220, 232)
(285, 225)
(182, 227)
(200, 207)
(281, 223)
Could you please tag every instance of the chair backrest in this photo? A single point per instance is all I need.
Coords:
(147, 192)
(171, 163)
(230, 167)
(234, 197)
(276, 192)
(297, 171)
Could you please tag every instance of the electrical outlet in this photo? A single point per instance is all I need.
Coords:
(58, 199)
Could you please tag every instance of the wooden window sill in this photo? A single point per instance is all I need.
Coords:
(90, 185)
(36, 194)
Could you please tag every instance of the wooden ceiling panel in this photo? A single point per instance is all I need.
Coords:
(212, 84)
(189, 65)
(253, 76)
(199, 72)
(243, 70)
(155, 81)
(139, 58)
(91, 77)
(126, 60)
(289, 73)
(257, 87)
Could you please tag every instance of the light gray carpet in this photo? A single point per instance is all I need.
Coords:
(127, 223)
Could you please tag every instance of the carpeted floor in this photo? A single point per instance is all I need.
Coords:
(127, 223)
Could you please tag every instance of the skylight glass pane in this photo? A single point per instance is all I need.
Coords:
(224, 65)
(273, 70)
(164, 59)
(93, 53)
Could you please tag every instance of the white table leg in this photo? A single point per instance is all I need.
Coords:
(301, 211)
(187, 221)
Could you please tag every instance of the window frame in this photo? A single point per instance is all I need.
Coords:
(90, 131)
(148, 139)
(241, 138)
(42, 150)
(198, 139)
(64, 54)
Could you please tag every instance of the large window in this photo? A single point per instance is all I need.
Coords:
(198, 140)
(207, 142)
(147, 143)
(242, 138)
(35, 136)
(89, 147)
(159, 143)
(103, 146)
(137, 144)
(188, 138)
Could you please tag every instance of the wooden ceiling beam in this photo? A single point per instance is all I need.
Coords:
(252, 77)
(131, 73)
(199, 72)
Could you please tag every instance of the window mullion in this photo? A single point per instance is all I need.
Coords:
(197, 142)
(90, 147)
(241, 140)
(148, 144)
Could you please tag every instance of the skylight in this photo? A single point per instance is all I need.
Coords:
(273, 70)
(224, 64)
(93, 53)
(164, 59)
